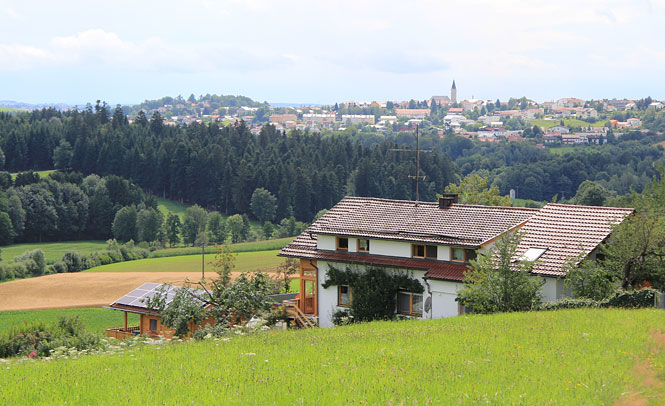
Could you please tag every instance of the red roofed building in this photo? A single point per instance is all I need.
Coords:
(433, 242)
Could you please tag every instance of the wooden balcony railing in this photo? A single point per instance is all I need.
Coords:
(122, 333)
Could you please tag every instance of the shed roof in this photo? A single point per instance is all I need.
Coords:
(136, 298)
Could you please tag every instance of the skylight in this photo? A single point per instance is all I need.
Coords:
(532, 254)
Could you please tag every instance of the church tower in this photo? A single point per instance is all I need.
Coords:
(453, 93)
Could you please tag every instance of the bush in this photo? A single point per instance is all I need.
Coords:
(73, 261)
(6, 273)
(209, 331)
(342, 318)
(35, 262)
(40, 339)
(59, 267)
(622, 299)
(569, 303)
(632, 299)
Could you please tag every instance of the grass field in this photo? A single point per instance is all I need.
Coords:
(166, 206)
(52, 250)
(563, 150)
(266, 245)
(575, 357)
(96, 319)
(568, 122)
(42, 174)
(245, 261)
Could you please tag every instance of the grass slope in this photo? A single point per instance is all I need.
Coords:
(166, 206)
(568, 122)
(578, 357)
(52, 250)
(96, 319)
(266, 245)
(245, 261)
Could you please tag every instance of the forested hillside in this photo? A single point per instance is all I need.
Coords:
(218, 168)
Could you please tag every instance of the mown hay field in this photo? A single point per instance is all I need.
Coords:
(573, 357)
(245, 262)
(53, 251)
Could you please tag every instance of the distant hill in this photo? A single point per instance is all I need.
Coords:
(202, 105)
(11, 104)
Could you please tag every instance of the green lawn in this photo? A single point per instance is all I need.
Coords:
(52, 250)
(96, 319)
(568, 122)
(575, 357)
(245, 261)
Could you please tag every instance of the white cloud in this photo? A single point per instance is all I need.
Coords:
(18, 57)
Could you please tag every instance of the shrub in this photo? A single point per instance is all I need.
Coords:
(633, 299)
(568, 303)
(41, 339)
(342, 318)
(73, 261)
(59, 267)
(35, 262)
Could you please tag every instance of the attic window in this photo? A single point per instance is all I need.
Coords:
(532, 254)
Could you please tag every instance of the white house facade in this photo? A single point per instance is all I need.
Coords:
(433, 243)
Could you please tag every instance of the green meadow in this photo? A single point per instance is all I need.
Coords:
(53, 251)
(166, 206)
(245, 261)
(574, 357)
(42, 174)
(568, 122)
(96, 320)
(266, 245)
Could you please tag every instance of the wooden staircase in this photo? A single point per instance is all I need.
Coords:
(301, 319)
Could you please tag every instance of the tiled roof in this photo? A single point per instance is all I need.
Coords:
(434, 269)
(567, 231)
(460, 224)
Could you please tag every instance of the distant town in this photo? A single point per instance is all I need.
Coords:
(563, 122)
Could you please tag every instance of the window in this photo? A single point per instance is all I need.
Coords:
(344, 295)
(423, 251)
(153, 325)
(532, 254)
(410, 303)
(363, 245)
(462, 254)
(342, 243)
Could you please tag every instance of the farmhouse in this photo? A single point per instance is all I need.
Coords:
(150, 320)
(433, 243)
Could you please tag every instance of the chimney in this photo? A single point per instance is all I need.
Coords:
(447, 199)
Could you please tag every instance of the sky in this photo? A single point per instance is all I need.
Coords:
(325, 52)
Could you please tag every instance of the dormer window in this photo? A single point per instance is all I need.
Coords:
(423, 251)
(342, 244)
(363, 245)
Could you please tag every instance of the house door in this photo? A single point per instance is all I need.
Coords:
(308, 287)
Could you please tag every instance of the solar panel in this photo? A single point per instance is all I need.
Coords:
(140, 295)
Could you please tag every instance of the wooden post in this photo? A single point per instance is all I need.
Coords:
(125, 321)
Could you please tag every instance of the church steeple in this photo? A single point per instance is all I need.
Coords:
(453, 93)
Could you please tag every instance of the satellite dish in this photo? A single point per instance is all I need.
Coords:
(428, 304)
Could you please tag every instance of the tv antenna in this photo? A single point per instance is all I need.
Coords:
(417, 176)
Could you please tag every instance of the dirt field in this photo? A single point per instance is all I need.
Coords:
(84, 289)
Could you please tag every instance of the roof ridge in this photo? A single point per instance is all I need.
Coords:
(590, 207)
